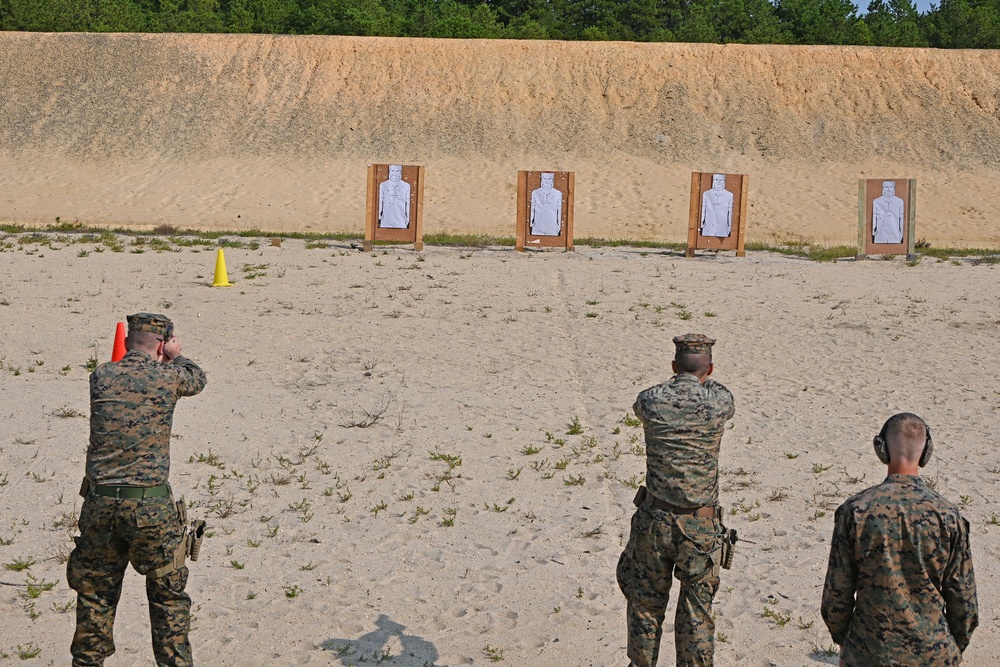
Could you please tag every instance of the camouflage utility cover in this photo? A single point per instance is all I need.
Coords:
(683, 420)
(900, 589)
(131, 412)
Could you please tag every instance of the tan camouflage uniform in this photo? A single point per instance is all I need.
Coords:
(900, 589)
(683, 421)
(132, 406)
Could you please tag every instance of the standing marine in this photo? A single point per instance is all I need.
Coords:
(676, 530)
(900, 589)
(129, 514)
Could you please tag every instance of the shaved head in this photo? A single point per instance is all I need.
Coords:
(143, 340)
(905, 436)
(695, 364)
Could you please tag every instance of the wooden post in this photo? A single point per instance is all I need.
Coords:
(418, 243)
(693, 211)
(370, 212)
(741, 239)
(911, 223)
(522, 205)
(570, 188)
(862, 219)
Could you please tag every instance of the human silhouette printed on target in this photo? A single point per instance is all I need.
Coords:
(394, 200)
(887, 216)
(546, 208)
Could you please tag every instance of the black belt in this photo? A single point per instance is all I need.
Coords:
(118, 492)
(703, 512)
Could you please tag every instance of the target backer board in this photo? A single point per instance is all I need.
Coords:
(544, 209)
(717, 217)
(875, 195)
(394, 209)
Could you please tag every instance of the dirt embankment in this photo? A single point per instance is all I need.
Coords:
(274, 132)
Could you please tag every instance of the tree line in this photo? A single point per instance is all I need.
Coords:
(973, 24)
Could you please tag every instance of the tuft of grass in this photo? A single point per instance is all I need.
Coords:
(575, 428)
(19, 564)
(492, 653)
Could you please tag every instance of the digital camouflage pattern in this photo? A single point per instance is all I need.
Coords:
(131, 412)
(900, 588)
(114, 533)
(132, 407)
(683, 421)
(662, 545)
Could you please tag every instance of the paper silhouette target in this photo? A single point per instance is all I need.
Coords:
(544, 209)
(717, 216)
(394, 208)
(886, 216)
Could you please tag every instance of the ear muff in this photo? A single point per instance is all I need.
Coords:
(882, 449)
(928, 447)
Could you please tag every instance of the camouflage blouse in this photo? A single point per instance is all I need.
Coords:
(683, 420)
(899, 587)
(131, 412)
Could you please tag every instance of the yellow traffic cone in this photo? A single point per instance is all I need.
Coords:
(221, 277)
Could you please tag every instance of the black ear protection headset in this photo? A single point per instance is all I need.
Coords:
(882, 449)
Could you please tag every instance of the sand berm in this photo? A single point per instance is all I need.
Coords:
(274, 132)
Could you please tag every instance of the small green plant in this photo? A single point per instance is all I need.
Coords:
(781, 620)
(237, 565)
(528, 450)
(722, 637)
(513, 474)
(448, 519)
(789, 455)
(292, 591)
(28, 651)
(251, 595)
(574, 480)
(575, 428)
(492, 653)
(19, 564)
(804, 625)
(631, 420)
(591, 314)
(819, 468)
(378, 508)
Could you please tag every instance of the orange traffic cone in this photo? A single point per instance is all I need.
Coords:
(118, 351)
(221, 277)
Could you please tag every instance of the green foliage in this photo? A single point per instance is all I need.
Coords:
(951, 24)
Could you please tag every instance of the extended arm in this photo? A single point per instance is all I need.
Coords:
(841, 579)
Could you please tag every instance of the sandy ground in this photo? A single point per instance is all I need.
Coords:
(466, 522)
(275, 132)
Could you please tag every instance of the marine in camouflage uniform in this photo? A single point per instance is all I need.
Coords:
(128, 514)
(676, 529)
(900, 588)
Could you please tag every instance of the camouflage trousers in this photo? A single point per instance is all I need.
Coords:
(114, 533)
(662, 545)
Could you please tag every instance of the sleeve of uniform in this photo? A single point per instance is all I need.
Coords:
(841, 579)
(722, 396)
(639, 407)
(191, 379)
(959, 589)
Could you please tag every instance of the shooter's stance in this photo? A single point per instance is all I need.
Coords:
(128, 512)
(676, 530)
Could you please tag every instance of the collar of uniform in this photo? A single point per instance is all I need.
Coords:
(686, 377)
(143, 353)
(913, 480)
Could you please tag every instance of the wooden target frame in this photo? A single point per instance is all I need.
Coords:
(528, 182)
(737, 184)
(868, 191)
(414, 232)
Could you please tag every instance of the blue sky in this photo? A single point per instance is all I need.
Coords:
(923, 6)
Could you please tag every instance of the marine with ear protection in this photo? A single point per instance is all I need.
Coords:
(882, 449)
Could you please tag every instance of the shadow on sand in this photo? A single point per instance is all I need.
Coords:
(373, 648)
